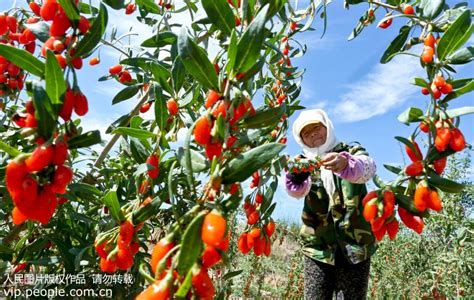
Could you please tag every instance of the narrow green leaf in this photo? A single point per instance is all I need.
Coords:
(161, 75)
(191, 244)
(396, 45)
(161, 112)
(146, 212)
(115, 4)
(264, 118)
(149, 5)
(431, 8)
(232, 51)
(462, 111)
(178, 74)
(55, 82)
(70, 9)
(13, 152)
(242, 166)
(393, 169)
(444, 184)
(185, 286)
(196, 62)
(220, 14)
(458, 92)
(160, 39)
(84, 188)
(230, 275)
(133, 132)
(420, 82)
(112, 203)
(93, 36)
(410, 115)
(44, 114)
(455, 36)
(126, 93)
(251, 42)
(199, 162)
(85, 140)
(461, 57)
(23, 59)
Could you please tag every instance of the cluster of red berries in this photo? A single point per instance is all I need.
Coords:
(438, 87)
(298, 164)
(379, 211)
(123, 76)
(35, 181)
(427, 56)
(119, 256)
(258, 239)
(60, 42)
(219, 107)
(11, 76)
(26, 119)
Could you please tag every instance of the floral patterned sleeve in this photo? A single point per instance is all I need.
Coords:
(297, 186)
(360, 168)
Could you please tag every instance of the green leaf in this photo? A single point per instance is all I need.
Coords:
(393, 169)
(408, 204)
(431, 8)
(23, 59)
(161, 75)
(88, 9)
(242, 166)
(455, 36)
(185, 286)
(250, 44)
(196, 62)
(160, 39)
(149, 5)
(85, 140)
(232, 52)
(133, 132)
(220, 14)
(358, 27)
(55, 83)
(86, 46)
(13, 152)
(458, 92)
(192, 244)
(420, 82)
(112, 203)
(457, 112)
(199, 162)
(161, 112)
(444, 184)
(115, 4)
(396, 45)
(275, 6)
(410, 115)
(40, 30)
(264, 118)
(70, 9)
(84, 188)
(461, 57)
(178, 74)
(126, 93)
(43, 111)
(230, 275)
(146, 212)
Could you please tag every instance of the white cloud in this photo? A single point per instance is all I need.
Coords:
(386, 87)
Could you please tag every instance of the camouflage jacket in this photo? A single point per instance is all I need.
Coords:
(328, 224)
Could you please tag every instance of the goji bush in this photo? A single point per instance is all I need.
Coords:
(179, 204)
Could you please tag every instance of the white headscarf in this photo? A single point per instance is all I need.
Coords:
(312, 116)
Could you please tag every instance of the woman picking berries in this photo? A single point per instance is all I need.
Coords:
(337, 240)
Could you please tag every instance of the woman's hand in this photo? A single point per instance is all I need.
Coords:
(334, 162)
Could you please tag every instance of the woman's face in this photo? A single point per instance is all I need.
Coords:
(314, 135)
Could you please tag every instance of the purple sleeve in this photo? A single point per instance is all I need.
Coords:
(297, 190)
(359, 169)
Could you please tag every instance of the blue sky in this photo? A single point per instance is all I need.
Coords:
(362, 96)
